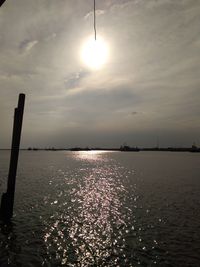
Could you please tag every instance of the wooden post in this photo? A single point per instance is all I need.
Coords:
(7, 202)
(1, 2)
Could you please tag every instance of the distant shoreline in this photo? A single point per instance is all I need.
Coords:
(78, 149)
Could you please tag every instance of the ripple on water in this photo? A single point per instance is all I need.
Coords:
(91, 229)
(84, 209)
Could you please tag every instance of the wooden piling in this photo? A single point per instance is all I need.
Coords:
(1, 2)
(7, 202)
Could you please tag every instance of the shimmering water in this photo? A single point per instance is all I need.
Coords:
(103, 209)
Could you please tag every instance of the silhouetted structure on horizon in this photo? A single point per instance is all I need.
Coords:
(126, 148)
(7, 201)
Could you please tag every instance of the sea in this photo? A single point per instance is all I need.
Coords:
(103, 208)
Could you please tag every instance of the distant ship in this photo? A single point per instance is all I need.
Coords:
(129, 149)
(194, 148)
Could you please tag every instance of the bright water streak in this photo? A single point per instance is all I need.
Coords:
(103, 209)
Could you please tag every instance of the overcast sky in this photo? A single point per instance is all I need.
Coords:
(149, 88)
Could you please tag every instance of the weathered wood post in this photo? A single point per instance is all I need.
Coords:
(1, 2)
(7, 201)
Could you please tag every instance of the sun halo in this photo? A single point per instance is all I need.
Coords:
(94, 53)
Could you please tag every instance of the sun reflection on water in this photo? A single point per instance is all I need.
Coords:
(90, 155)
(91, 223)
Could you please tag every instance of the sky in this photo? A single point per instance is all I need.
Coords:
(148, 90)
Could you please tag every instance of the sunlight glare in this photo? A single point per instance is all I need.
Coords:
(94, 53)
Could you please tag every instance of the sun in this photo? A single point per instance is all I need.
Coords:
(94, 53)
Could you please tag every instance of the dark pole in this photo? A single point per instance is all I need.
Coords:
(95, 31)
(1, 2)
(7, 201)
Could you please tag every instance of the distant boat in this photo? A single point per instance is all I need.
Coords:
(194, 148)
(129, 149)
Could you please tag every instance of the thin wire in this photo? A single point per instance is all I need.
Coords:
(95, 30)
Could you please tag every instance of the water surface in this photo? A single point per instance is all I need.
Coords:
(103, 209)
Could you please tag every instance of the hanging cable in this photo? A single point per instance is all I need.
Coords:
(95, 31)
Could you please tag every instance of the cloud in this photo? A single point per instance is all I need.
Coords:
(150, 82)
(134, 112)
(91, 14)
(27, 45)
(72, 81)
